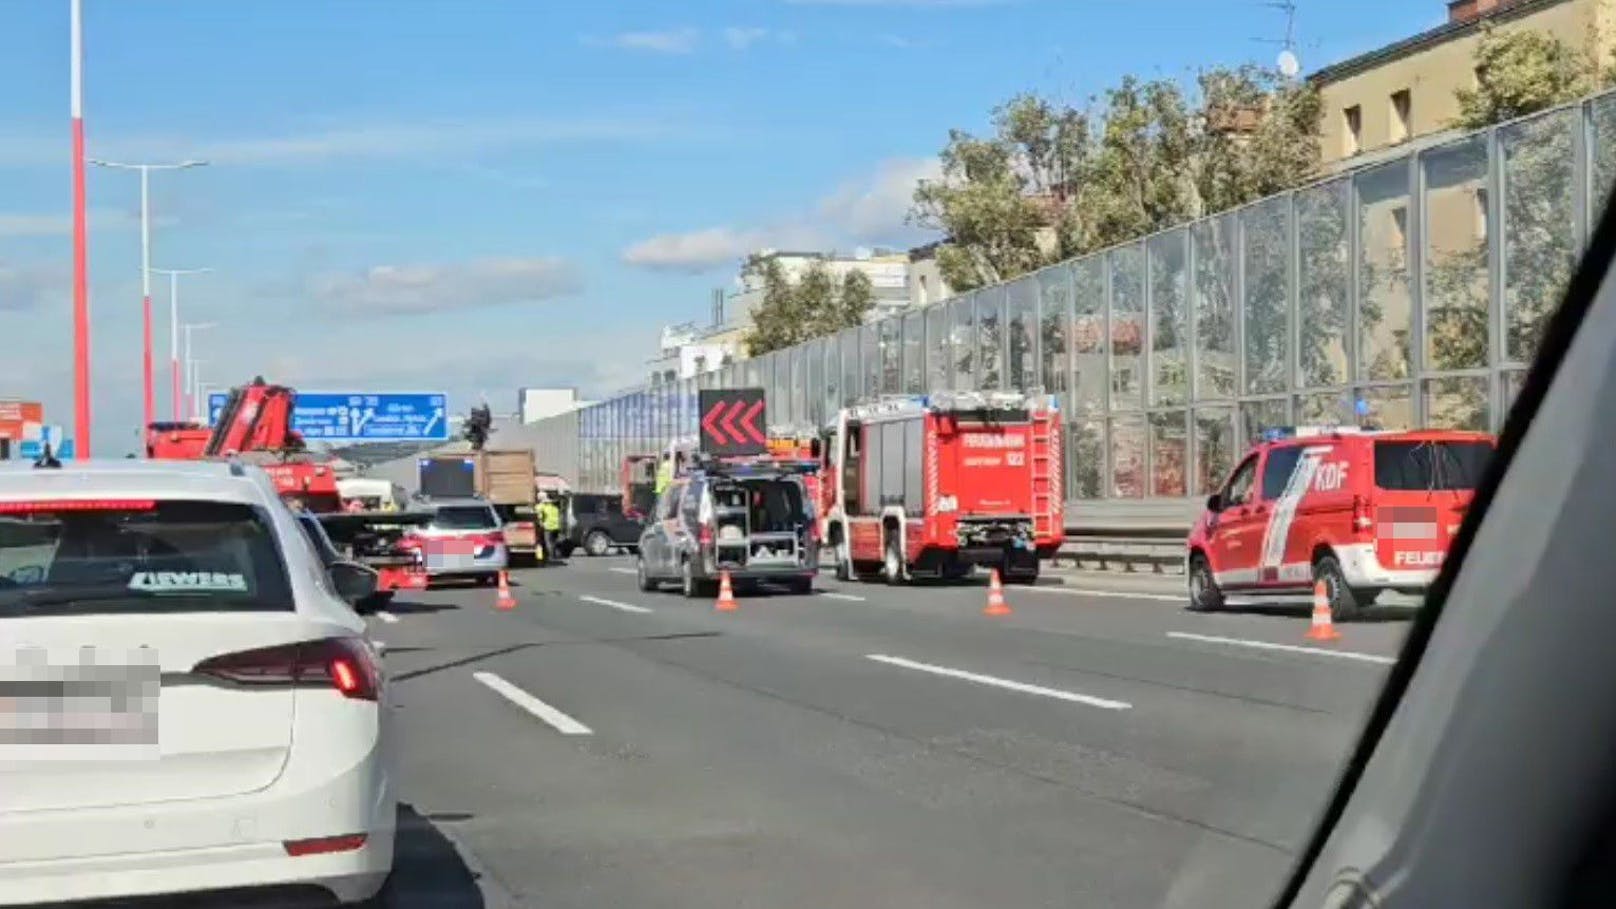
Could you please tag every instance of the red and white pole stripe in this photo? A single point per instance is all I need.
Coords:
(81, 284)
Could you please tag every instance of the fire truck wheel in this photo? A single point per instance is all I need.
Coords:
(1345, 603)
(892, 562)
(1204, 593)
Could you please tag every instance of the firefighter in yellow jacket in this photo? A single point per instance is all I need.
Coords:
(549, 521)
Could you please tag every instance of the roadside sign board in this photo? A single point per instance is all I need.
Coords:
(17, 416)
(321, 416)
(732, 421)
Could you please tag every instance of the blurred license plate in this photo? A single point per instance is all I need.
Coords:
(454, 547)
(92, 704)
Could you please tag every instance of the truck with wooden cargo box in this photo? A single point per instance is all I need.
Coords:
(505, 478)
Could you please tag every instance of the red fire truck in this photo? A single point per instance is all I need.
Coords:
(931, 486)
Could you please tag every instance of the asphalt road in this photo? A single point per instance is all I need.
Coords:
(863, 746)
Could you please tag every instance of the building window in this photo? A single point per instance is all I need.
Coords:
(701, 364)
(1399, 240)
(1402, 113)
(925, 291)
(1352, 132)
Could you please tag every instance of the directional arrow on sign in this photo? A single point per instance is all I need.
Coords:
(709, 423)
(749, 423)
(730, 421)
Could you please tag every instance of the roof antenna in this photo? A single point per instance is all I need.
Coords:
(47, 459)
(1288, 64)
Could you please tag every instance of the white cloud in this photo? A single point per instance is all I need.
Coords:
(671, 41)
(60, 224)
(420, 289)
(915, 4)
(743, 37)
(432, 140)
(702, 250)
(897, 41)
(26, 287)
(873, 209)
(869, 210)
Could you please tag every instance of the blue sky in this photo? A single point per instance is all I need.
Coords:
(472, 195)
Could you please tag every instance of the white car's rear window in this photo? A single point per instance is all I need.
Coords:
(465, 517)
(125, 555)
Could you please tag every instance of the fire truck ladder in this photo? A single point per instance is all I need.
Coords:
(1043, 468)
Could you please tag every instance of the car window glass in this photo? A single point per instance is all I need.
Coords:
(1276, 472)
(465, 517)
(1239, 488)
(174, 555)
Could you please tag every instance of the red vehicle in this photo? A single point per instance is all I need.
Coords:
(177, 441)
(1362, 511)
(933, 486)
(256, 427)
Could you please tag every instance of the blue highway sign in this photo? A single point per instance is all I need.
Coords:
(321, 416)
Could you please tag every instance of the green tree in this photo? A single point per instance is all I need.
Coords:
(815, 304)
(997, 194)
(1522, 71)
(1053, 182)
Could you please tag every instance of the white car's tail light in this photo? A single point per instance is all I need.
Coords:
(345, 664)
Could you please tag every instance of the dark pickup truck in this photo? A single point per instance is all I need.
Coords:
(595, 523)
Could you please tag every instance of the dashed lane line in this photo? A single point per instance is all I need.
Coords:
(841, 596)
(1286, 648)
(625, 607)
(562, 723)
(1009, 684)
(387, 617)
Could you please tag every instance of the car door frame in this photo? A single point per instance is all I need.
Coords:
(1227, 531)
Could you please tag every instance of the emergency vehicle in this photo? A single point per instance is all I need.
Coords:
(1362, 511)
(934, 485)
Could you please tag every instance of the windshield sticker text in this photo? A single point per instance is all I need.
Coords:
(174, 581)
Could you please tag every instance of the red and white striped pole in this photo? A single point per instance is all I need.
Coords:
(148, 392)
(81, 283)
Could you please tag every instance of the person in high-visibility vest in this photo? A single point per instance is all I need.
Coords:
(549, 514)
(664, 474)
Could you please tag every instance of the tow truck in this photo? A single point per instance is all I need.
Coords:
(177, 440)
(255, 426)
(935, 485)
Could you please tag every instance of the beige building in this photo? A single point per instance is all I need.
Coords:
(1404, 92)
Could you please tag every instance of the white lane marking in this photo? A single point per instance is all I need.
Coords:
(563, 724)
(626, 607)
(1023, 687)
(621, 570)
(841, 596)
(1119, 594)
(1288, 648)
(387, 617)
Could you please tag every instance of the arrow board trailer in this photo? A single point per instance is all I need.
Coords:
(732, 421)
(932, 486)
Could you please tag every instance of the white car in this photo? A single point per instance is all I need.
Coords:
(187, 701)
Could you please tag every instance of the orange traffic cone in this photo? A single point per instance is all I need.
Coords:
(1323, 623)
(505, 601)
(996, 603)
(726, 594)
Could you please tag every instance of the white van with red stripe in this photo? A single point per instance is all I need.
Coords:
(1361, 511)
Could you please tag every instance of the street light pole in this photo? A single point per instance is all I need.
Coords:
(190, 367)
(81, 284)
(147, 386)
(174, 329)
